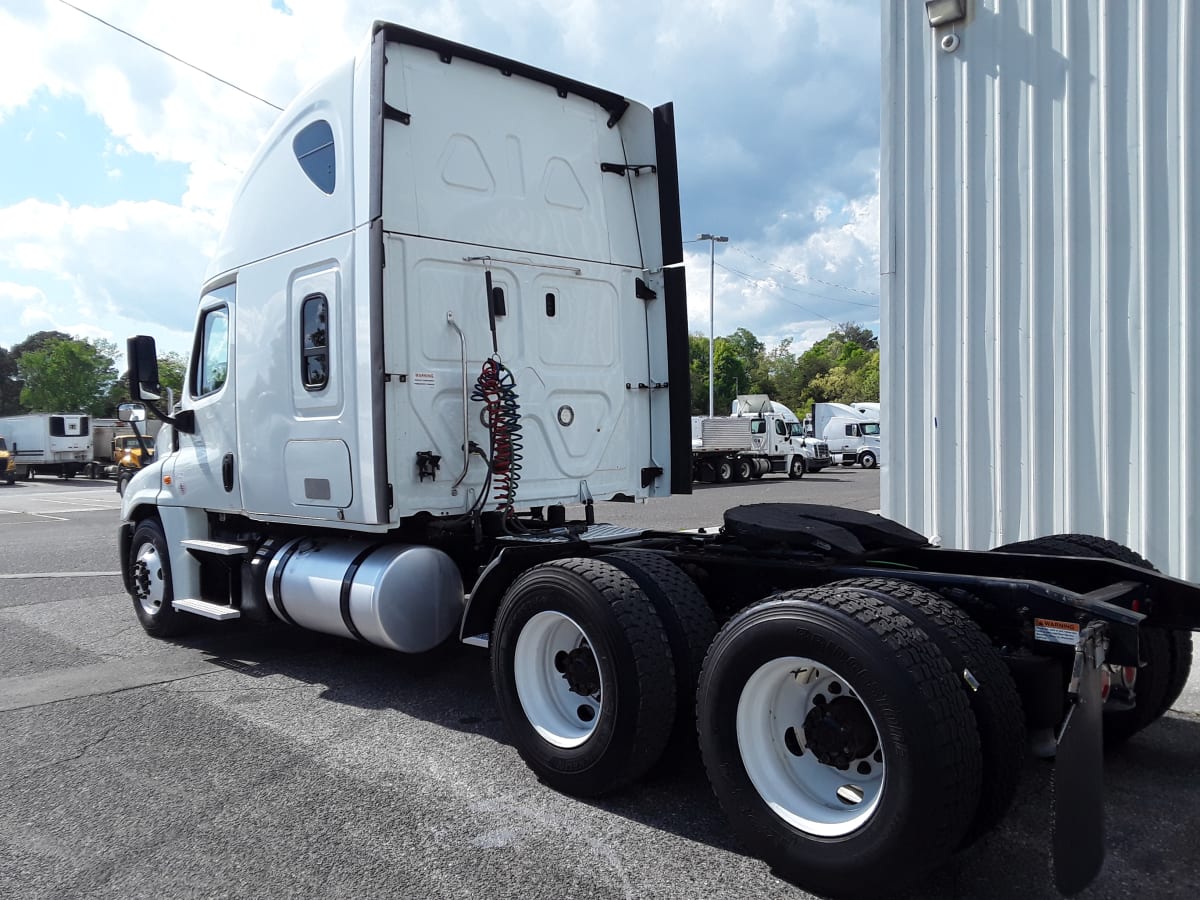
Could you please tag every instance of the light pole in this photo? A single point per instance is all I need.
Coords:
(713, 240)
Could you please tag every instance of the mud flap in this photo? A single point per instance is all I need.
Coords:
(1079, 771)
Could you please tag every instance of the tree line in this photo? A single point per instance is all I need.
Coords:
(842, 367)
(54, 372)
(51, 371)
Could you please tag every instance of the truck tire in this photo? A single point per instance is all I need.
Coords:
(743, 468)
(867, 460)
(797, 468)
(985, 681)
(705, 473)
(723, 471)
(583, 674)
(838, 741)
(150, 577)
(123, 483)
(689, 624)
(1167, 655)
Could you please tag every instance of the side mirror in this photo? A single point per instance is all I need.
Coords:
(143, 369)
(131, 412)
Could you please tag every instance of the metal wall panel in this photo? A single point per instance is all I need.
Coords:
(1040, 255)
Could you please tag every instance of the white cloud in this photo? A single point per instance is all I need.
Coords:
(777, 106)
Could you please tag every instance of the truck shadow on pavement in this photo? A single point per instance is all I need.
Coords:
(1152, 782)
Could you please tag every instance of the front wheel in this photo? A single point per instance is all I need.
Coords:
(868, 460)
(796, 468)
(150, 583)
(837, 741)
(584, 676)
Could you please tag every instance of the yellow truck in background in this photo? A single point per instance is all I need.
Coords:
(8, 463)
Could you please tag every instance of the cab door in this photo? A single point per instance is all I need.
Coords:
(206, 472)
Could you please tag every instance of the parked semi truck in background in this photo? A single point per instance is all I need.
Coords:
(48, 443)
(760, 437)
(853, 437)
(448, 306)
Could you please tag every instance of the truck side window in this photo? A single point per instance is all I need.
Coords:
(314, 342)
(780, 428)
(849, 431)
(758, 426)
(313, 146)
(213, 366)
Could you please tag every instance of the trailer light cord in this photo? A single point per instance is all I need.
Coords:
(496, 389)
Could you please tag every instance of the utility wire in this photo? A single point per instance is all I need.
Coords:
(805, 276)
(758, 281)
(171, 55)
(785, 287)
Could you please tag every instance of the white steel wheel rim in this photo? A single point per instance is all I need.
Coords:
(807, 794)
(561, 716)
(148, 578)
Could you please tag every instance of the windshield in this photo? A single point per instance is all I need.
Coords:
(131, 443)
(870, 428)
(3, 446)
(795, 429)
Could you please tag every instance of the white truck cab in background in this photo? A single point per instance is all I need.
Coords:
(853, 436)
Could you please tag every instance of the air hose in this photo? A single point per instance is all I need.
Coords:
(496, 389)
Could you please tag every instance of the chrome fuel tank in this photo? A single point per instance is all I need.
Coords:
(403, 596)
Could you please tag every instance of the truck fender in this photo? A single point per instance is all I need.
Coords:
(500, 573)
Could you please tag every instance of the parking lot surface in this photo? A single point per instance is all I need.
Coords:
(268, 762)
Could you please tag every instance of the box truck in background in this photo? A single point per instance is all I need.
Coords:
(49, 443)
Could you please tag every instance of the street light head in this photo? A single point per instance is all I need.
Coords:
(720, 239)
(704, 237)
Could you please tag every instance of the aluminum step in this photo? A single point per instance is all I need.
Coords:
(216, 548)
(208, 610)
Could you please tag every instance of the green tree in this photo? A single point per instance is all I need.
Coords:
(172, 367)
(10, 385)
(68, 376)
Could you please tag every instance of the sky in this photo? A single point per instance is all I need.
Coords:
(118, 163)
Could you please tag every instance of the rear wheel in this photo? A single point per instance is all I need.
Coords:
(724, 471)
(837, 741)
(1166, 655)
(743, 469)
(583, 675)
(689, 625)
(983, 678)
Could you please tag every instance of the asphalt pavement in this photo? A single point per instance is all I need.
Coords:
(268, 762)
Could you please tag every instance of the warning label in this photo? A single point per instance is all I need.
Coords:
(423, 379)
(1056, 632)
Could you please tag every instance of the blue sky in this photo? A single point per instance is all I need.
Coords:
(118, 163)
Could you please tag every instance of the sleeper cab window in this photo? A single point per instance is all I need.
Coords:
(213, 359)
(314, 342)
(313, 146)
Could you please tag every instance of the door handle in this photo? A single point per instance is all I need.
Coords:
(227, 472)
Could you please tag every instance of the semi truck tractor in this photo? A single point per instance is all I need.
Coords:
(760, 437)
(853, 436)
(448, 307)
(118, 450)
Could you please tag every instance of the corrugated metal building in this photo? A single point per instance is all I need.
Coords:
(1041, 260)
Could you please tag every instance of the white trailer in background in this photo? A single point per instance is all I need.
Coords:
(1041, 296)
(49, 443)
(853, 437)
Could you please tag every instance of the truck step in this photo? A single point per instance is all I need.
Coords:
(216, 548)
(206, 609)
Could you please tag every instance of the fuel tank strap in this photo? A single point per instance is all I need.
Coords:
(277, 582)
(347, 585)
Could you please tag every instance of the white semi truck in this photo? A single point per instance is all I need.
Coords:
(853, 436)
(48, 443)
(760, 436)
(449, 304)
